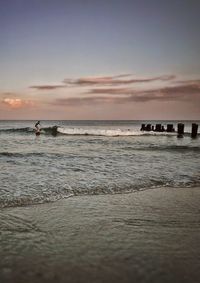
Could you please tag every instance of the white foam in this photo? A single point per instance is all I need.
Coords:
(107, 132)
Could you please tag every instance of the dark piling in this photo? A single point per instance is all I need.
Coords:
(158, 128)
(143, 126)
(148, 127)
(170, 128)
(180, 130)
(194, 130)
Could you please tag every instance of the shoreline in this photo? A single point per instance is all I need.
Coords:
(92, 195)
(145, 236)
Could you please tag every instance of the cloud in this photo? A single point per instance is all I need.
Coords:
(122, 88)
(181, 90)
(170, 91)
(73, 101)
(7, 94)
(182, 93)
(113, 80)
(187, 93)
(188, 82)
(117, 91)
(17, 102)
(47, 87)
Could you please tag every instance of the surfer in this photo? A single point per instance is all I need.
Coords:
(37, 128)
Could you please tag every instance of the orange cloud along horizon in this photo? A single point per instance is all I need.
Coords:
(17, 102)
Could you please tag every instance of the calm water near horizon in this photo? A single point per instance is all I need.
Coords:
(92, 157)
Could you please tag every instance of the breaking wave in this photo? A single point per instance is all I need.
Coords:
(57, 130)
(105, 132)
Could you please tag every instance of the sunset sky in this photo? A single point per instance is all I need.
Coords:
(108, 59)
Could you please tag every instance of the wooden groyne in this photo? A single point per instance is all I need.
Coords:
(157, 128)
(170, 129)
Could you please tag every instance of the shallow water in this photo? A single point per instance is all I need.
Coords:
(149, 236)
(91, 157)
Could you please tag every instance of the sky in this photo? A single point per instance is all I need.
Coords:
(108, 59)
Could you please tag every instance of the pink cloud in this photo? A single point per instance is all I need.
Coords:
(47, 87)
(188, 82)
(17, 102)
(72, 101)
(117, 91)
(183, 93)
(113, 80)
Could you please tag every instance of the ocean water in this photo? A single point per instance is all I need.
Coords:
(92, 157)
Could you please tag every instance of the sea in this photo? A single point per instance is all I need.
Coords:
(92, 158)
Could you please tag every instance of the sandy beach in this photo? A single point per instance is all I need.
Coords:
(148, 236)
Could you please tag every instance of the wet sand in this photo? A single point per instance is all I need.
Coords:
(148, 236)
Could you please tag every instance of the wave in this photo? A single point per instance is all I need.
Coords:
(142, 147)
(56, 130)
(107, 132)
(51, 155)
(64, 193)
(25, 201)
(27, 154)
(17, 130)
(177, 148)
(28, 130)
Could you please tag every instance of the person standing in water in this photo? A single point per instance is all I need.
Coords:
(37, 127)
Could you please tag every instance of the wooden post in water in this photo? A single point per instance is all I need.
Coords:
(194, 130)
(148, 127)
(143, 126)
(180, 130)
(170, 128)
(158, 128)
